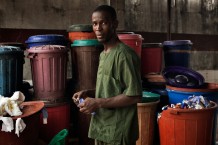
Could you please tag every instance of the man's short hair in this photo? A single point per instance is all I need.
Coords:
(106, 8)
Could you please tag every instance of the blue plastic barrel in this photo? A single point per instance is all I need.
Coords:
(177, 95)
(11, 70)
(177, 52)
(47, 39)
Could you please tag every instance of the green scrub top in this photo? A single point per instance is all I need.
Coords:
(118, 73)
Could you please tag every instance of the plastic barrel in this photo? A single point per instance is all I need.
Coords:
(209, 91)
(187, 126)
(58, 119)
(151, 58)
(177, 52)
(85, 58)
(47, 39)
(146, 120)
(15, 44)
(11, 70)
(177, 95)
(30, 135)
(49, 72)
(80, 32)
(132, 40)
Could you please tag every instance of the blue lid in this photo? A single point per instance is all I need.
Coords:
(177, 42)
(86, 42)
(46, 38)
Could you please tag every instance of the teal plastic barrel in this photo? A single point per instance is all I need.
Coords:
(11, 70)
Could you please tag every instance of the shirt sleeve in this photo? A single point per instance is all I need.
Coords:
(130, 75)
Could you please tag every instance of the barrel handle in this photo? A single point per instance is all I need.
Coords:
(31, 55)
(175, 112)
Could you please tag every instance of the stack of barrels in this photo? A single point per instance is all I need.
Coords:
(48, 56)
(85, 52)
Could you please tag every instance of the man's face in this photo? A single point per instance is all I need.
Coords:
(103, 26)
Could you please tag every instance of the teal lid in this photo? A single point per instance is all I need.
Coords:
(80, 28)
(85, 42)
(9, 48)
(149, 97)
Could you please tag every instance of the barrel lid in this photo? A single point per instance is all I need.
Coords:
(149, 97)
(30, 108)
(130, 36)
(183, 77)
(9, 48)
(86, 42)
(80, 28)
(45, 38)
(47, 48)
(177, 42)
(151, 45)
(16, 44)
(126, 33)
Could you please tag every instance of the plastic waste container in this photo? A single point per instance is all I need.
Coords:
(11, 70)
(132, 40)
(146, 119)
(47, 39)
(187, 126)
(177, 52)
(80, 32)
(49, 72)
(151, 58)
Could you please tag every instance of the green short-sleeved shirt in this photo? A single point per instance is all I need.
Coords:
(118, 73)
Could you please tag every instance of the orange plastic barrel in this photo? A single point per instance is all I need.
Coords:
(132, 40)
(49, 72)
(30, 135)
(151, 58)
(186, 126)
(146, 120)
(80, 32)
(58, 119)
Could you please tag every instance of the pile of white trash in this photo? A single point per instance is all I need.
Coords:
(10, 107)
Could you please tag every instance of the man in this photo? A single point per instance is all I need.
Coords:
(118, 86)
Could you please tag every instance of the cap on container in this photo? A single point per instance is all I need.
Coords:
(177, 42)
(183, 77)
(47, 39)
(86, 42)
(80, 28)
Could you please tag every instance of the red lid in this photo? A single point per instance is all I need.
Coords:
(130, 36)
(30, 108)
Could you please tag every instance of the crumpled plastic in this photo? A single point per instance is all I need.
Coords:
(7, 124)
(11, 106)
(20, 126)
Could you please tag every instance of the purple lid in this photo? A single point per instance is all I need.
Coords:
(177, 42)
(183, 77)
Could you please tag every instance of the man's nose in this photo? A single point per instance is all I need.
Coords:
(99, 27)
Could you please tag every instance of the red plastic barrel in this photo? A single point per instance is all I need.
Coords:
(80, 32)
(49, 72)
(151, 58)
(132, 40)
(30, 134)
(58, 119)
(187, 126)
